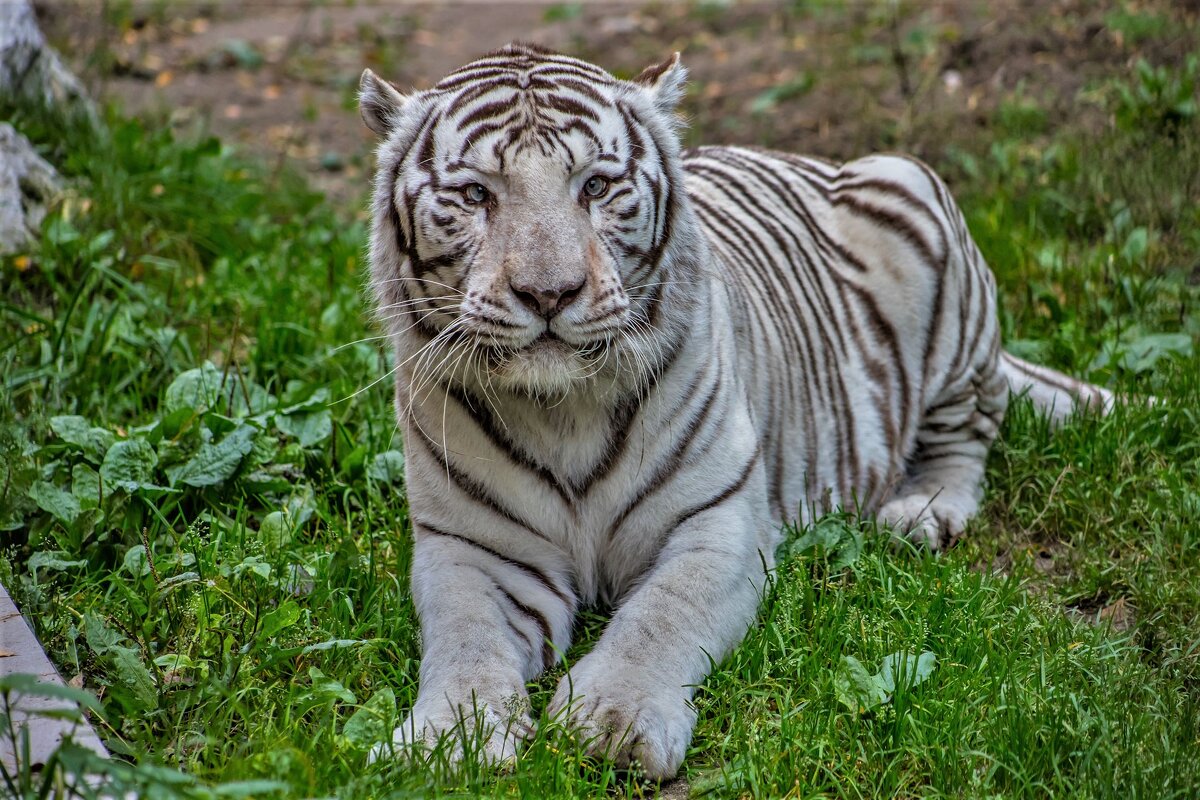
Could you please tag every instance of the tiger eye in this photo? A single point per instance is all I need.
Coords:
(475, 193)
(595, 186)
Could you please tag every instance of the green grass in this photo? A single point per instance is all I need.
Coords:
(201, 500)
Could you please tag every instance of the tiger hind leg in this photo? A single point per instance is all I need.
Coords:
(944, 481)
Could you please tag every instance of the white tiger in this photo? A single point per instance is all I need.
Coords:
(620, 367)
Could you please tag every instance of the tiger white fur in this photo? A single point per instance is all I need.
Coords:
(621, 367)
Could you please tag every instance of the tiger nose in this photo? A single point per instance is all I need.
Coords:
(547, 300)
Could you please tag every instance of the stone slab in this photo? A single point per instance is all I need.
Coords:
(20, 652)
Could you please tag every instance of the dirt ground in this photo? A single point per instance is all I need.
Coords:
(833, 78)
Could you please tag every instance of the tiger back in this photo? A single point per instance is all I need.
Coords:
(866, 329)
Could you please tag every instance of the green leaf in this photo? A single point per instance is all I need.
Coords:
(768, 99)
(77, 431)
(129, 464)
(174, 661)
(67, 713)
(832, 537)
(85, 485)
(860, 691)
(215, 463)
(313, 401)
(28, 684)
(176, 581)
(905, 670)
(60, 230)
(251, 399)
(1135, 245)
(135, 561)
(275, 531)
(62, 505)
(100, 638)
(250, 788)
(857, 689)
(254, 565)
(332, 644)
(261, 482)
(85, 524)
(332, 316)
(387, 467)
(199, 389)
(177, 422)
(245, 53)
(326, 688)
(55, 560)
(127, 663)
(1143, 353)
(562, 12)
(285, 616)
(372, 722)
(310, 428)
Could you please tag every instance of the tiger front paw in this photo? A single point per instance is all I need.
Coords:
(627, 716)
(479, 733)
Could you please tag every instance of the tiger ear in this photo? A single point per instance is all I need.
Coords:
(665, 82)
(379, 103)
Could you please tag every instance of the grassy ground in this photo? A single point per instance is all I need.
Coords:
(201, 496)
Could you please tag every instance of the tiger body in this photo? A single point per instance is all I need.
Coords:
(865, 324)
(619, 369)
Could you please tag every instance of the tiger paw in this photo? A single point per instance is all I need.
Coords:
(481, 734)
(931, 521)
(625, 715)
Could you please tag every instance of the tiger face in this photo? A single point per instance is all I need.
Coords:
(523, 221)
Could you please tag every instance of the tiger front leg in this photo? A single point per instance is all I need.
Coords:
(630, 698)
(489, 622)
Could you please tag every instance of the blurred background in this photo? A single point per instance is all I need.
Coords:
(836, 78)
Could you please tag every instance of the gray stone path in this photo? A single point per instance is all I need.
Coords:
(21, 653)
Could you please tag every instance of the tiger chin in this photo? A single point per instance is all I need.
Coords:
(622, 366)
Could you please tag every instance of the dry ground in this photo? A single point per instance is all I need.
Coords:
(832, 78)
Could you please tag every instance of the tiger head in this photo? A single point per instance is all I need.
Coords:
(527, 227)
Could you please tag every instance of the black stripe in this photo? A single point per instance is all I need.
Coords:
(521, 566)
(478, 413)
(475, 490)
(538, 619)
(729, 492)
(674, 461)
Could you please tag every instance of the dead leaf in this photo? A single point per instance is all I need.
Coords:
(1119, 614)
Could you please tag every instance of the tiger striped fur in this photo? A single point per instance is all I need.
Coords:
(620, 367)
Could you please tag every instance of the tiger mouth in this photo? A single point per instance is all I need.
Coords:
(549, 343)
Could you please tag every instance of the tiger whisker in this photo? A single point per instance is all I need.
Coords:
(407, 278)
(414, 301)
